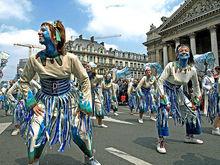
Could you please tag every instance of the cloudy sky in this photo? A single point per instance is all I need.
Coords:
(20, 21)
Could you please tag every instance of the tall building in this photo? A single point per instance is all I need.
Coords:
(195, 22)
(89, 50)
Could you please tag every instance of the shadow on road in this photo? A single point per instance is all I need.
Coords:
(54, 159)
(192, 159)
(207, 130)
(150, 142)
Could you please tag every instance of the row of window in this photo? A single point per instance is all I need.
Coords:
(102, 60)
(102, 50)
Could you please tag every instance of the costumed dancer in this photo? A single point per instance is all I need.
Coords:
(58, 113)
(145, 94)
(132, 96)
(114, 98)
(4, 99)
(97, 97)
(15, 96)
(107, 86)
(216, 112)
(175, 75)
(208, 83)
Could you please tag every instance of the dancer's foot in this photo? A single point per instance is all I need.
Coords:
(161, 147)
(216, 131)
(91, 161)
(193, 140)
(15, 132)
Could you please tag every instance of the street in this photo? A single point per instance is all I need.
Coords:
(124, 142)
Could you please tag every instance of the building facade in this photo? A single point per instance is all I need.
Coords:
(89, 50)
(195, 22)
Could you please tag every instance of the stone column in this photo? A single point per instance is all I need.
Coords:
(214, 43)
(96, 59)
(177, 42)
(165, 54)
(192, 43)
(137, 74)
(157, 55)
(85, 58)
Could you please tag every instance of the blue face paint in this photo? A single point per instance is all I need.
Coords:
(183, 59)
(46, 40)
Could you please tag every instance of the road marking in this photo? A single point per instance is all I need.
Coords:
(126, 156)
(3, 126)
(116, 121)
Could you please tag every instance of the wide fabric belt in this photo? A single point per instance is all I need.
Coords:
(145, 89)
(171, 86)
(55, 87)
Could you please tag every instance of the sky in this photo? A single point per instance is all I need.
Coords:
(20, 21)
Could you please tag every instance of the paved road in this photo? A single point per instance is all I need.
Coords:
(124, 142)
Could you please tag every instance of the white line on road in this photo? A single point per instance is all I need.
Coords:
(116, 121)
(126, 156)
(3, 126)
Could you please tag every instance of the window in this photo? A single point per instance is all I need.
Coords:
(131, 65)
(90, 48)
(78, 47)
(135, 66)
(116, 63)
(110, 61)
(126, 63)
(101, 50)
(90, 59)
(121, 64)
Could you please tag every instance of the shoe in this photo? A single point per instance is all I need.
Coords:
(193, 140)
(103, 126)
(216, 131)
(153, 118)
(93, 117)
(35, 163)
(160, 147)
(91, 161)
(140, 121)
(116, 114)
(15, 132)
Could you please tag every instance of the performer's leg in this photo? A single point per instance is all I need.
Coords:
(83, 137)
(216, 129)
(162, 127)
(193, 123)
(35, 150)
(99, 111)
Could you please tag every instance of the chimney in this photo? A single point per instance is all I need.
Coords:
(92, 38)
(81, 36)
(102, 43)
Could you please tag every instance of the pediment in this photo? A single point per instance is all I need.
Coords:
(189, 10)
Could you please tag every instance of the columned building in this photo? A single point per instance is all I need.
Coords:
(196, 23)
(89, 50)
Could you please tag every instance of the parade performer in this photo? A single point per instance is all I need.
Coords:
(145, 94)
(97, 97)
(216, 112)
(4, 99)
(114, 98)
(14, 95)
(132, 95)
(210, 101)
(107, 88)
(175, 75)
(57, 113)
